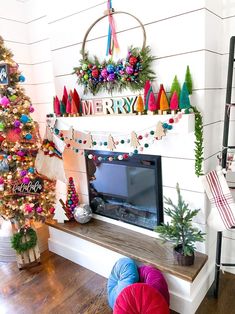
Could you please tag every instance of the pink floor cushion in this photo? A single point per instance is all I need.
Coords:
(154, 277)
(140, 298)
(123, 274)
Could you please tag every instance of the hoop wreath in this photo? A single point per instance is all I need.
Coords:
(129, 73)
(17, 240)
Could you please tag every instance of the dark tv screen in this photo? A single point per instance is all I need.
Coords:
(128, 190)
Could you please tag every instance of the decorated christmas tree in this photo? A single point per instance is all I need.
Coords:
(24, 195)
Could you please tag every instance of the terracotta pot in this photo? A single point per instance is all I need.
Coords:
(182, 260)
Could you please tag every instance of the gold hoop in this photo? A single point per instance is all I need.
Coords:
(102, 17)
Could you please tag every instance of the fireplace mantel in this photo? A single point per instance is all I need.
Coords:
(124, 123)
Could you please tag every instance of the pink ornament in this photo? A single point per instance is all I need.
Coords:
(52, 210)
(39, 210)
(20, 153)
(1, 180)
(26, 180)
(104, 73)
(176, 120)
(110, 158)
(141, 149)
(4, 101)
(129, 70)
(31, 109)
(28, 208)
(146, 135)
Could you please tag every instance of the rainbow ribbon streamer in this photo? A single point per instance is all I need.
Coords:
(112, 37)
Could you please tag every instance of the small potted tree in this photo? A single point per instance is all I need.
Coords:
(180, 230)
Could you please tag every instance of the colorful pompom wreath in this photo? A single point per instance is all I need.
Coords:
(129, 73)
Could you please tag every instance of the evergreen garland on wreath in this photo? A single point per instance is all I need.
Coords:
(20, 246)
(130, 73)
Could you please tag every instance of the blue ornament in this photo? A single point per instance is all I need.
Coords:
(21, 78)
(136, 151)
(31, 170)
(169, 127)
(57, 131)
(28, 136)
(165, 125)
(70, 202)
(24, 118)
(110, 68)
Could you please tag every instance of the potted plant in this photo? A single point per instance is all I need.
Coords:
(180, 230)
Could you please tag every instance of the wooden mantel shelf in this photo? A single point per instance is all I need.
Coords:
(142, 248)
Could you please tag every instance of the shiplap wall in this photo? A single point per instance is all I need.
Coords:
(47, 37)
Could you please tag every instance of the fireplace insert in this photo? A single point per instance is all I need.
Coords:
(127, 189)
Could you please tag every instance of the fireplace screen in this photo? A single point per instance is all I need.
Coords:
(129, 190)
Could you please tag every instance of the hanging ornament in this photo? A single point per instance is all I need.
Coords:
(89, 141)
(111, 144)
(134, 140)
(159, 132)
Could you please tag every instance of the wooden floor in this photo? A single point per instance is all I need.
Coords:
(59, 286)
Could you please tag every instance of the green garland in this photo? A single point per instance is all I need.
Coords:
(198, 142)
(129, 73)
(20, 246)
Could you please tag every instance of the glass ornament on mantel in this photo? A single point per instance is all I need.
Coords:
(82, 213)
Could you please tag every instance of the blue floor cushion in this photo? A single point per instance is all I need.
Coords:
(123, 274)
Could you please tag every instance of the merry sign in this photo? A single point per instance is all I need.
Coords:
(34, 186)
(122, 105)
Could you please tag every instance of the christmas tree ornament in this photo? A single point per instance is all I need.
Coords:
(111, 145)
(159, 131)
(89, 141)
(82, 213)
(134, 140)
